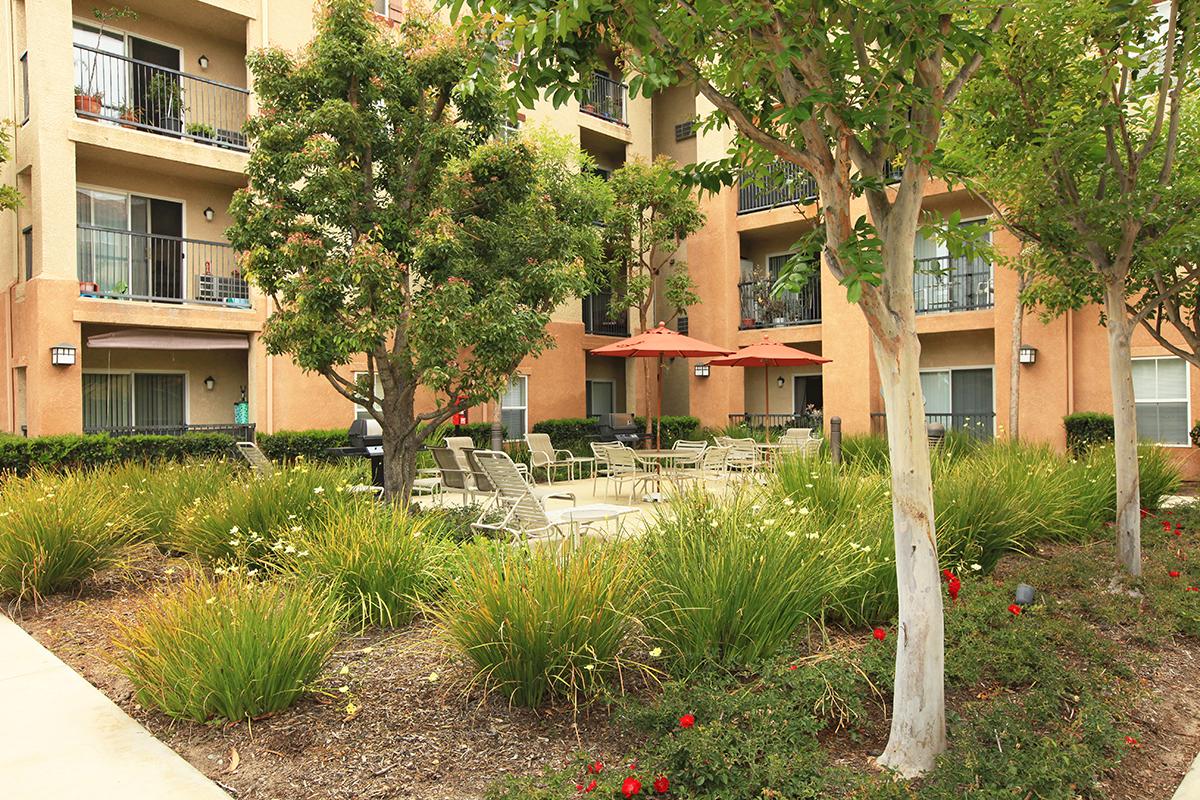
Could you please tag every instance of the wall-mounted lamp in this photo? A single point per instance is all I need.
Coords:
(1027, 354)
(210, 382)
(209, 214)
(780, 381)
(62, 355)
(203, 62)
(702, 370)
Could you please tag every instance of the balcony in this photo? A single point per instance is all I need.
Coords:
(128, 265)
(143, 96)
(782, 184)
(605, 99)
(949, 283)
(760, 310)
(597, 317)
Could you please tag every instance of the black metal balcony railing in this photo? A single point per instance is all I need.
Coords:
(783, 183)
(605, 98)
(952, 284)
(167, 269)
(597, 316)
(977, 424)
(758, 421)
(242, 433)
(761, 310)
(145, 96)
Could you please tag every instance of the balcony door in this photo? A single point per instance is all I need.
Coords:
(960, 399)
(107, 63)
(130, 245)
(158, 254)
(115, 401)
(157, 89)
(943, 283)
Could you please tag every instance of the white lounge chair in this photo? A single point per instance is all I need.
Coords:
(525, 516)
(543, 453)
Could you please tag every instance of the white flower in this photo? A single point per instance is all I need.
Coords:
(589, 666)
(318, 490)
(233, 531)
(433, 676)
(656, 652)
(976, 567)
(787, 501)
(790, 533)
(343, 689)
(210, 601)
(804, 509)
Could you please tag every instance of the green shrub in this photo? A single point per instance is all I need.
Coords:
(311, 445)
(545, 621)
(232, 649)
(380, 562)
(56, 531)
(158, 494)
(1087, 428)
(869, 452)
(252, 520)
(674, 428)
(575, 435)
(22, 455)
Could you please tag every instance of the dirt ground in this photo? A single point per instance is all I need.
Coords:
(402, 728)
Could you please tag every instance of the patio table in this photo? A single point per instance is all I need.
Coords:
(657, 460)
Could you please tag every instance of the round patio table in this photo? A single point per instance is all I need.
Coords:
(656, 460)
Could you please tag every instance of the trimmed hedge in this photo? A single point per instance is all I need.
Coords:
(22, 454)
(570, 433)
(675, 427)
(288, 446)
(1087, 428)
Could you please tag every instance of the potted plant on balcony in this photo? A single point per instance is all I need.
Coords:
(201, 131)
(88, 101)
(129, 114)
(164, 99)
(88, 98)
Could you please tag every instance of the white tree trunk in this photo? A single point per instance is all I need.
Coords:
(918, 732)
(1120, 366)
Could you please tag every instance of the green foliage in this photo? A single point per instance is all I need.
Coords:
(56, 531)
(674, 427)
(22, 454)
(253, 521)
(10, 198)
(571, 434)
(452, 246)
(310, 445)
(380, 562)
(548, 621)
(232, 649)
(1087, 428)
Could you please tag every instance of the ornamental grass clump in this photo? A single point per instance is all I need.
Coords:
(249, 522)
(381, 562)
(158, 494)
(546, 621)
(231, 649)
(56, 531)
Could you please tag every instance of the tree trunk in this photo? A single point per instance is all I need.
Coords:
(1014, 365)
(399, 466)
(1120, 366)
(918, 732)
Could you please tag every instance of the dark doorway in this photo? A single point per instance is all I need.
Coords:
(808, 391)
(157, 92)
(158, 251)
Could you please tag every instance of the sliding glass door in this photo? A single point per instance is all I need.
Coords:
(116, 401)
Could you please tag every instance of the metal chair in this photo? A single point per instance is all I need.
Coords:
(526, 517)
(484, 485)
(259, 464)
(543, 453)
(602, 468)
(624, 467)
(452, 475)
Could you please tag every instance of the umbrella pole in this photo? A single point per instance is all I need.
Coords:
(658, 430)
(767, 401)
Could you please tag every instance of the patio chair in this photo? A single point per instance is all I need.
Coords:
(484, 485)
(799, 433)
(688, 444)
(624, 468)
(259, 464)
(452, 476)
(804, 446)
(713, 465)
(601, 468)
(743, 455)
(542, 453)
(526, 517)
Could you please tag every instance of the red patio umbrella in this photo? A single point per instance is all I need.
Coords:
(660, 343)
(768, 353)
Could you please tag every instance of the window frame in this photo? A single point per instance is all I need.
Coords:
(360, 411)
(523, 409)
(27, 253)
(132, 373)
(24, 61)
(950, 371)
(1186, 400)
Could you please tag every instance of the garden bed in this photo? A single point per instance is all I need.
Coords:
(415, 733)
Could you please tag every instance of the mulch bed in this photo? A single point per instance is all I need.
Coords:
(409, 726)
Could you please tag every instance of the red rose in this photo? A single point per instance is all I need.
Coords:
(630, 786)
(1193, 589)
(793, 666)
(687, 721)
(1015, 610)
(953, 586)
(1174, 573)
(1166, 523)
(661, 784)
(947, 575)
(594, 768)
(591, 787)
(1132, 742)
(879, 633)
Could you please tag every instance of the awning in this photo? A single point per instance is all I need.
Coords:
(152, 339)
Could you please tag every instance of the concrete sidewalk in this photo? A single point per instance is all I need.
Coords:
(61, 738)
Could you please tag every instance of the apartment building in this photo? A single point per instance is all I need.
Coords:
(124, 308)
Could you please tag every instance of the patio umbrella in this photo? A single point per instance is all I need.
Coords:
(660, 343)
(768, 353)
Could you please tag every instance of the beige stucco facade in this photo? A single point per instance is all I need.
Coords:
(59, 286)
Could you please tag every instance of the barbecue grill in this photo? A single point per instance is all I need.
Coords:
(619, 428)
(366, 441)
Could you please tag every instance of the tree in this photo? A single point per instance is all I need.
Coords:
(842, 90)
(389, 230)
(652, 213)
(1078, 136)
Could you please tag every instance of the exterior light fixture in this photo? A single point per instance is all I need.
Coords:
(702, 370)
(1027, 354)
(62, 355)
(209, 214)
(780, 381)
(203, 62)
(210, 382)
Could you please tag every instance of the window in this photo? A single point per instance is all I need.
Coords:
(1160, 391)
(25, 86)
(600, 398)
(514, 408)
(380, 7)
(27, 248)
(950, 283)
(685, 130)
(510, 130)
(144, 400)
(960, 399)
(360, 412)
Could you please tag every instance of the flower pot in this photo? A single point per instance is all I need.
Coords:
(88, 288)
(87, 104)
(130, 120)
(747, 322)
